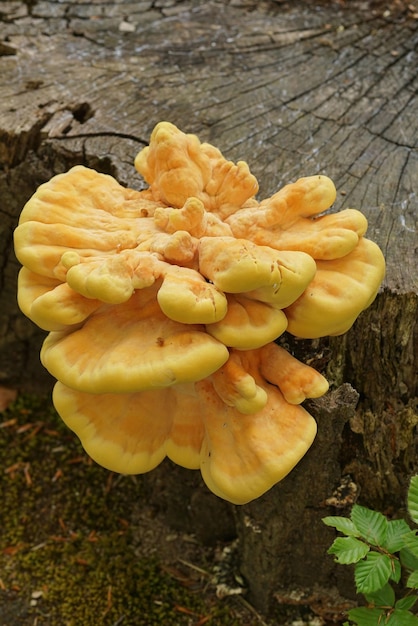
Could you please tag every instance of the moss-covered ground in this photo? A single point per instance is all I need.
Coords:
(71, 551)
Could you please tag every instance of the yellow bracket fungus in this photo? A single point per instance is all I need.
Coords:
(163, 305)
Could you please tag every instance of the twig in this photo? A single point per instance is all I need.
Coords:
(240, 599)
(195, 567)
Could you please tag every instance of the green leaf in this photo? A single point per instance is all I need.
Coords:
(412, 581)
(348, 550)
(411, 542)
(399, 617)
(342, 524)
(408, 560)
(367, 617)
(396, 572)
(396, 529)
(383, 598)
(413, 499)
(371, 525)
(372, 573)
(378, 617)
(406, 603)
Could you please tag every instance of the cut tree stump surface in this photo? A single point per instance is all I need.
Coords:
(294, 89)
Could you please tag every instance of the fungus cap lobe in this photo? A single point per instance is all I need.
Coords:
(131, 347)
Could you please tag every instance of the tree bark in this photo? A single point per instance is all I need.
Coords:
(294, 89)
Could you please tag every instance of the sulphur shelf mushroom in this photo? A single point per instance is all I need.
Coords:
(162, 307)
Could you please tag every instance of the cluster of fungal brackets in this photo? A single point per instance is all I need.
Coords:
(163, 305)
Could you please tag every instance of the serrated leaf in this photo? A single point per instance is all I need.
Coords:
(372, 573)
(396, 572)
(412, 581)
(408, 560)
(406, 603)
(371, 524)
(383, 598)
(396, 529)
(413, 499)
(399, 617)
(348, 550)
(342, 524)
(411, 542)
(366, 617)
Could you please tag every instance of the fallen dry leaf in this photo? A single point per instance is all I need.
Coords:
(7, 396)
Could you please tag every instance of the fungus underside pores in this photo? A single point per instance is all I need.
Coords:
(162, 307)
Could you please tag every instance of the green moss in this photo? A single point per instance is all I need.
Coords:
(69, 548)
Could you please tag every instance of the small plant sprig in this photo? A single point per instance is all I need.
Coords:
(383, 551)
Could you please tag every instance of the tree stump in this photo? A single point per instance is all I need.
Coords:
(294, 89)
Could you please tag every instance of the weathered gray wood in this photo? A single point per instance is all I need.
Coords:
(282, 536)
(294, 89)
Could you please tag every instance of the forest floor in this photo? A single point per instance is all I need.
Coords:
(80, 546)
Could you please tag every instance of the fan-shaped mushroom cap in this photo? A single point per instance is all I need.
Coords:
(295, 380)
(193, 218)
(237, 388)
(51, 304)
(131, 433)
(81, 211)
(240, 266)
(244, 457)
(185, 296)
(271, 363)
(234, 425)
(177, 166)
(131, 347)
(248, 324)
(174, 165)
(339, 292)
(288, 221)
